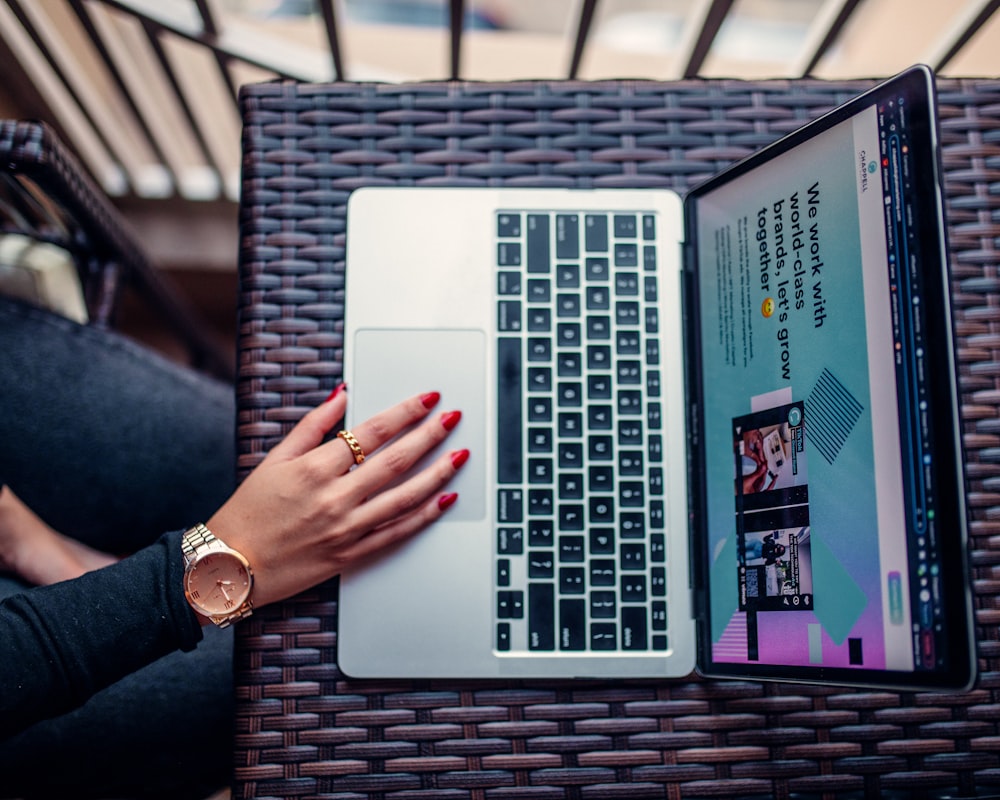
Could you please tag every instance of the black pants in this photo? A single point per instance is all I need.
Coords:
(113, 445)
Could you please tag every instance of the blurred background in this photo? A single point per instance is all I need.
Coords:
(144, 91)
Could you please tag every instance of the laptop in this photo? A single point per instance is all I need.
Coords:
(716, 435)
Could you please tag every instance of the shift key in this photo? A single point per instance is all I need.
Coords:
(572, 625)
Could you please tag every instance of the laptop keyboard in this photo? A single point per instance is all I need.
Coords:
(580, 542)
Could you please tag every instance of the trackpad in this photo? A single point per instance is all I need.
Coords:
(390, 365)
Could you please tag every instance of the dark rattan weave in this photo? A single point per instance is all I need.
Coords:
(305, 731)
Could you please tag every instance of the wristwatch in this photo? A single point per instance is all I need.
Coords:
(217, 579)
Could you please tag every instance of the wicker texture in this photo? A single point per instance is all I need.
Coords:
(303, 730)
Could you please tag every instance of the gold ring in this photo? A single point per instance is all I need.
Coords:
(354, 444)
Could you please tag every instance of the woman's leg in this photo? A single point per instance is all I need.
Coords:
(106, 441)
(112, 445)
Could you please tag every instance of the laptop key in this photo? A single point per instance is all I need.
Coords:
(596, 233)
(659, 615)
(598, 327)
(539, 379)
(658, 582)
(570, 455)
(632, 525)
(541, 616)
(598, 299)
(626, 255)
(510, 505)
(509, 417)
(572, 580)
(571, 517)
(539, 440)
(539, 347)
(633, 556)
(571, 486)
(503, 572)
(634, 628)
(508, 225)
(598, 356)
(541, 533)
(602, 510)
(603, 605)
(540, 470)
(567, 236)
(657, 515)
(541, 564)
(510, 541)
(509, 254)
(508, 283)
(648, 226)
(625, 226)
(627, 284)
(538, 243)
(539, 502)
(632, 494)
(539, 410)
(649, 258)
(601, 479)
(602, 541)
(568, 276)
(633, 589)
(657, 548)
(629, 402)
(510, 605)
(539, 321)
(597, 270)
(602, 572)
(568, 305)
(539, 290)
(509, 315)
(653, 382)
(603, 636)
(627, 312)
(572, 625)
(571, 549)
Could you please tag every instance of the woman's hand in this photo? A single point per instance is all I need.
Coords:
(304, 514)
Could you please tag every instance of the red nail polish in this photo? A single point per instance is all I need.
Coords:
(430, 399)
(340, 387)
(450, 420)
(446, 500)
(459, 457)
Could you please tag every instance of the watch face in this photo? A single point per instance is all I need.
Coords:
(217, 584)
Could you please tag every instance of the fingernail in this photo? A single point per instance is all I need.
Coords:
(459, 457)
(430, 399)
(340, 387)
(450, 420)
(446, 500)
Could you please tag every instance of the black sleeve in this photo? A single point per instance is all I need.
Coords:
(60, 644)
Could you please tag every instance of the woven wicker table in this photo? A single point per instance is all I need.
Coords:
(303, 730)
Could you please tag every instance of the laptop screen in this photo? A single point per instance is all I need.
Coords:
(829, 495)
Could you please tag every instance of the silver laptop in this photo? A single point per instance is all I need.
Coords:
(702, 434)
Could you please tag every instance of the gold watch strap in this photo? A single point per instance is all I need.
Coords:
(195, 537)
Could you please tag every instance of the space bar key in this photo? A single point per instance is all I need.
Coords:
(509, 416)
